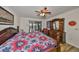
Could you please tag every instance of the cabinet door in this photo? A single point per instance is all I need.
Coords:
(51, 25)
(61, 25)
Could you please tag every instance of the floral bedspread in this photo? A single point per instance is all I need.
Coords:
(32, 42)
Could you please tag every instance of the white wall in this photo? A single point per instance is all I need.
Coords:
(24, 23)
(72, 33)
(16, 19)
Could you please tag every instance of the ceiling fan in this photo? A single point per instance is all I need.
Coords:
(44, 12)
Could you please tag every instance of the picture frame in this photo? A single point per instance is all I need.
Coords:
(6, 18)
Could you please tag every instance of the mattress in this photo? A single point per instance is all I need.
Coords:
(31, 42)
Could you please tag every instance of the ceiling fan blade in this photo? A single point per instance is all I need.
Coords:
(48, 12)
(37, 11)
(38, 14)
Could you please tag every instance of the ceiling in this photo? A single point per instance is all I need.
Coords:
(29, 11)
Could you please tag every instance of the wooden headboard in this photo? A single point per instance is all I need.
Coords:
(7, 33)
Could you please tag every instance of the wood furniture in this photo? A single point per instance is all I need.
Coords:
(56, 30)
(6, 34)
(45, 31)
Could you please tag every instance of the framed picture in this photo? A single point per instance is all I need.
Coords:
(72, 23)
(6, 18)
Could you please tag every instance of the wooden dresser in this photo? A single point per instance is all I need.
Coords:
(56, 29)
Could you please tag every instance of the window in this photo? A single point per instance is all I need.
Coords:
(35, 26)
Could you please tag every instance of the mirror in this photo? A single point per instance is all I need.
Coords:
(56, 25)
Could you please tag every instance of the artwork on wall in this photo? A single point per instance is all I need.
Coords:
(72, 23)
(6, 18)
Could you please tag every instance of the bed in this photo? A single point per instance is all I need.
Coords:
(13, 41)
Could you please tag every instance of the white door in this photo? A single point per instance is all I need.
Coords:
(73, 37)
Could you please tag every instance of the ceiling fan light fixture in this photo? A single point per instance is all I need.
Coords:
(42, 14)
(45, 10)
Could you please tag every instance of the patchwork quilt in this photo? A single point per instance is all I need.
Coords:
(32, 42)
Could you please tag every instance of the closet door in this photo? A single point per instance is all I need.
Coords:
(38, 26)
(73, 37)
(30, 26)
(35, 26)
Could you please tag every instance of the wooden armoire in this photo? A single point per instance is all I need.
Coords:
(56, 29)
